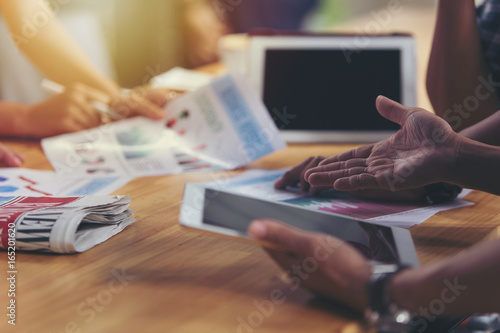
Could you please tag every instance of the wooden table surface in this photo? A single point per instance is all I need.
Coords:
(157, 276)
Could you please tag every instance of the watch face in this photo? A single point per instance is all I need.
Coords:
(397, 321)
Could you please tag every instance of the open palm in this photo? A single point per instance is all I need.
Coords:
(420, 153)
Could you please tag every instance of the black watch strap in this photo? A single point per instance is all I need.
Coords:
(379, 290)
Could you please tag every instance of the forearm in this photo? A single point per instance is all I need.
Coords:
(487, 131)
(477, 166)
(13, 117)
(50, 48)
(465, 284)
(456, 64)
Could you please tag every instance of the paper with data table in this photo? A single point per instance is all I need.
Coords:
(221, 126)
(260, 184)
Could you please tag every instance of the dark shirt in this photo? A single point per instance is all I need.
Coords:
(488, 18)
(245, 15)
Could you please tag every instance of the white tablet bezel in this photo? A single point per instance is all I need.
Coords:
(406, 44)
(195, 201)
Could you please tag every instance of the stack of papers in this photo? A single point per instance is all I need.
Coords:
(260, 184)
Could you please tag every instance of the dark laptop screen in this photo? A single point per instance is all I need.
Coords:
(322, 90)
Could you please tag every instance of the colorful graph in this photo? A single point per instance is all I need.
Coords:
(353, 207)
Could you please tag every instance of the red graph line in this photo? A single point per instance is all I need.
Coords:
(38, 191)
(28, 180)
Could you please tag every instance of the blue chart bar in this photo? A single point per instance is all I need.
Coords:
(247, 127)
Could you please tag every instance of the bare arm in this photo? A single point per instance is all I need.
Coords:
(486, 131)
(455, 65)
(465, 284)
(67, 112)
(49, 47)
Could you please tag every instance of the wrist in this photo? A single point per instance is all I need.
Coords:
(477, 166)
(14, 120)
(449, 153)
(415, 288)
(31, 125)
(28, 129)
(383, 312)
(405, 289)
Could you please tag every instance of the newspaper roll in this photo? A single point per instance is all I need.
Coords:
(61, 224)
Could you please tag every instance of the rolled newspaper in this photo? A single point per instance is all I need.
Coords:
(61, 224)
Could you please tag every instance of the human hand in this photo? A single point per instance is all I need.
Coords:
(295, 176)
(73, 110)
(69, 111)
(142, 101)
(10, 158)
(321, 263)
(423, 151)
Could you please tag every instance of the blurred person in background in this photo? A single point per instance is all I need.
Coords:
(52, 50)
(204, 22)
(463, 78)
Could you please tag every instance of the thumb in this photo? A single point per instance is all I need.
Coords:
(279, 234)
(392, 110)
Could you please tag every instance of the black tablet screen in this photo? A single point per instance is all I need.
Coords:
(330, 89)
(235, 212)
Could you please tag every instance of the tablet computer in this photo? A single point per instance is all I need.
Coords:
(230, 214)
(323, 88)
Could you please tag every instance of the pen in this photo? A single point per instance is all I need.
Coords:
(55, 88)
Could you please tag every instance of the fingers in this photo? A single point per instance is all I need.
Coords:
(392, 110)
(82, 114)
(10, 157)
(292, 176)
(91, 94)
(138, 104)
(86, 98)
(281, 235)
(361, 152)
(343, 176)
(157, 97)
(296, 175)
(320, 172)
(360, 181)
(284, 259)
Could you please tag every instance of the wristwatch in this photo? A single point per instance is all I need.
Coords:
(383, 313)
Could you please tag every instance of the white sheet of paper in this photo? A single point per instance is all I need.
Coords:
(33, 183)
(260, 184)
(181, 79)
(221, 126)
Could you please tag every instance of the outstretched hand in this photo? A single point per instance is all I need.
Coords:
(423, 151)
(321, 263)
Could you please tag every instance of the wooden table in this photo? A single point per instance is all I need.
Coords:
(159, 277)
(175, 279)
